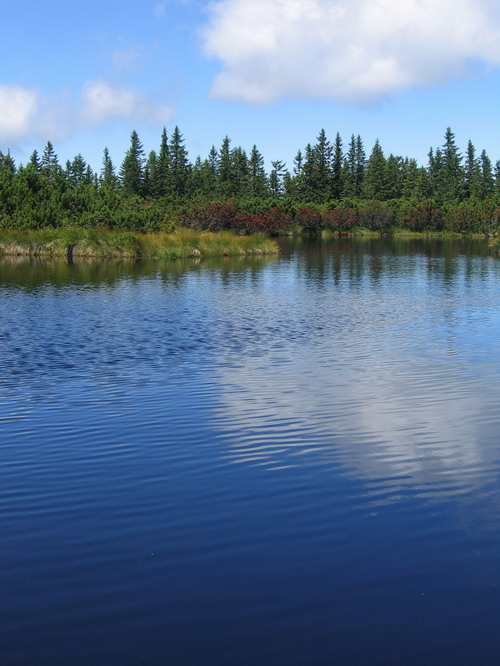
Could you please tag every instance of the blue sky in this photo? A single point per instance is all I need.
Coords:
(269, 72)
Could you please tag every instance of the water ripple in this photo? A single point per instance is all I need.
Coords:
(278, 462)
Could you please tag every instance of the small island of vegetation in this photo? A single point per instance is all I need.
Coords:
(165, 205)
(74, 242)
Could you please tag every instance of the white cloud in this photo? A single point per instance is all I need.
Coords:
(103, 100)
(17, 108)
(24, 114)
(355, 51)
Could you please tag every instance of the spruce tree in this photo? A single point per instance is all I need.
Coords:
(258, 178)
(337, 162)
(288, 185)
(77, 170)
(162, 182)
(108, 177)
(179, 164)
(360, 166)
(150, 186)
(241, 172)
(409, 185)
(7, 164)
(375, 181)
(298, 164)
(88, 177)
(487, 179)
(201, 182)
(35, 161)
(296, 187)
(213, 161)
(225, 173)
(394, 174)
(472, 173)
(424, 185)
(309, 190)
(276, 179)
(349, 170)
(49, 164)
(436, 174)
(132, 169)
(322, 175)
(453, 183)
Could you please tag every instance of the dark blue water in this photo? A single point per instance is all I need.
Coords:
(284, 461)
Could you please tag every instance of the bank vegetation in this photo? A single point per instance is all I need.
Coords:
(330, 188)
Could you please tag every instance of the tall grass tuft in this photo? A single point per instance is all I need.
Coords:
(77, 242)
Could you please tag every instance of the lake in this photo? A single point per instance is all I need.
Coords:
(281, 461)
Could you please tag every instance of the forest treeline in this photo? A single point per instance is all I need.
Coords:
(329, 186)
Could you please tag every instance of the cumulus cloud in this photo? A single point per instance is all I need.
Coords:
(355, 51)
(103, 100)
(25, 114)
(17, 108)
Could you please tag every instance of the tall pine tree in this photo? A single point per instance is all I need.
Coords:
(453, 183)
(337, 161)
(179, 164)
(258, 178)
(375, 181)
(132, 169)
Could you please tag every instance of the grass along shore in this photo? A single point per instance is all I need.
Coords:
(75, 242)
(101, 243)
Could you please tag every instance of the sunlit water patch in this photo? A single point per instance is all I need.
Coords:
(283, 461)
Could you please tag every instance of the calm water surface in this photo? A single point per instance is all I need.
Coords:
(283, 461)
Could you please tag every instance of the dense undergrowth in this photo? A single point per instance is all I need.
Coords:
(250, 216)
(253, 215)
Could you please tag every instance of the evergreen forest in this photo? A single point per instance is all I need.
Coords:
(330, 185)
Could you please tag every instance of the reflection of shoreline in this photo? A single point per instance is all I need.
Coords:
(422, 245)
(33, 272)
(343, 258)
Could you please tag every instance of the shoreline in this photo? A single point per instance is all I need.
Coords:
(73, 242)
(104, 244)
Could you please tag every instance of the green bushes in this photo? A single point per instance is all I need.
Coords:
(474, 217)
(422, 216)
(38, 205)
